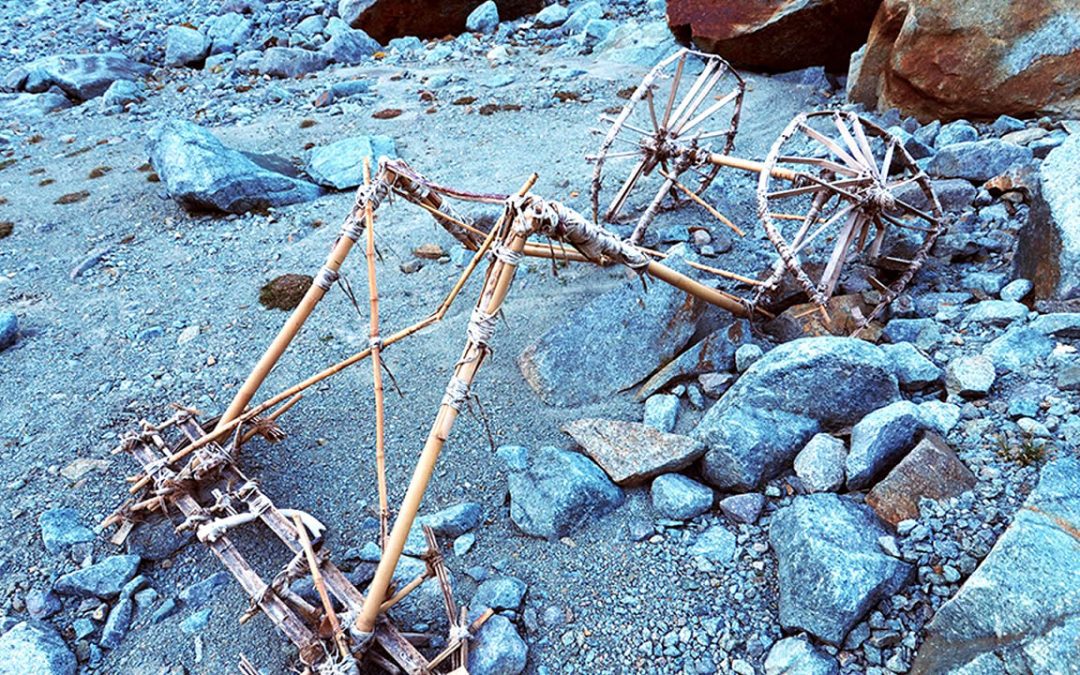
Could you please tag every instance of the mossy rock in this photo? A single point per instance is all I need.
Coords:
(285, 292)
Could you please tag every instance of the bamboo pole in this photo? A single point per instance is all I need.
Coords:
(748, 165)
(376, 361)
(320, 586)
(497, 284)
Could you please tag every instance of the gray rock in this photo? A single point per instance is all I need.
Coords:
(977, 161)
(916, 148)
(1006, 124)
(1017, 348)
(454, 521)
(1016, 290)
(60, 528)
(881, 439)
(116, 626)
(1048, 252)
(185, 46)
(201, 172)
(552, 16)
(500, 593)
(1023, 600)
(582, 14)
(747, 446)
(796, 656)
(970, 376)
(314, 25)
(196, 622)
(122, 93)
(677, 497)
(923, 333)
(103, 580)
(640, 44)
(959, 131)
(227, 32)
(200, 593)
(483, 19)
(820, 464)
(715, 544)
(716, 352)
(9, 330)
(557, 490)
(611, 343)
(350, 47)
(80, 76)
(34, 106)
(42, 603)
(340, 165)
(914, 370)
(35, 648)
(954, 194)
(291, 62)
(157, 539)
(999, 313)
(744, 508)
(746, 356)
(661, 412)
(830, 567)
(497, 649)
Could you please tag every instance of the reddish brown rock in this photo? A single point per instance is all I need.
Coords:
(951, 58)
(631, 453)
(385, 20)
(775, 35)
(931, 470)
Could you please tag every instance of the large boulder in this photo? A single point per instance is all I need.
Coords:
(631, 452)
(775, 35)
(35, 648)
(793, 392)
(830, 566)
(80, 76)
(1049, 249)
(385, 20)
(553, 491)
(1021, 607)
(950, 58)
(200, 172)
(340, 165)
(930, 471)
(611, 343)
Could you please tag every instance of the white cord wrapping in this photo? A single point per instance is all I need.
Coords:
(481, 327)
(326, 278)
(456, 393)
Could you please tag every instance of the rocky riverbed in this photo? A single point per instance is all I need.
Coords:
(644, 483)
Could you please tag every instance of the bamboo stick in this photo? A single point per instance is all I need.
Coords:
(320, 586)
(705, 205)
(376, 361)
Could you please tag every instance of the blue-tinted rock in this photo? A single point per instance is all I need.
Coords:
(35, 648)
(83, 627)
(350, 47)
(970, 376)
(879, 440)
(999, 313)
(227, 32)
(483, 19)
(923, 333)
(959, 131)
(913, 369)
(612, 342)
(916, 148)
(497, 649)
(116, 626)
(454, 521)
(340, 165)
(291, 62)
(820, 464)
(196, 622)
(60, 528)
(744, 508)
(9, 330)
(167, 609)
(747, 446)
(796, 656)
(1016, 290)
(500, 593)
(103, 580)
(199, 593)
(42, 603)
(830, 567)
(1017, 348)
(714, 353)
(121, 94)
(677, 497)
(560, 490)
(157, 539)
(80, 76)
(552, 16)
(639, 44)
(1023, 599)
(977, 161)
(746, 356)
(716, 544)
(661, 412)
(199, 171)
(185, 46)
(940, 416)
(582, 14)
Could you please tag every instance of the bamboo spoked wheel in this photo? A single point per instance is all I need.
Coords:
(835, 184)
(686, 107)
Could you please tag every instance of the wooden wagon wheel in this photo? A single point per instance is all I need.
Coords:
(850, 192)
(687, 106)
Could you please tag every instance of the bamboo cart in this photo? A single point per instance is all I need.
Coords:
(196, 472)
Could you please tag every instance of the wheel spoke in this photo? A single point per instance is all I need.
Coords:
(864, 143)
(831, 145)
(674, 90)
(817, 161)
(720, 103)
(652, 109)
(886, 164)
(624, 191)
(705, 74)
(698, 100)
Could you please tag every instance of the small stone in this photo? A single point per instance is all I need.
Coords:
(661, 412)
(9, 329)
(464, 544)
(796, 656)
(970, 376)
(914, 370)
(116, 626)
(166, 610)
(715, 544)
(60, 529)
(820, 464)
(1016, 290)
(103, 580)
(746, 355)
(42, 603)
(455, 520)
(500, 593)
(483, 19)
(196, 622)
(411, 266)
(998, 313)
(677, 497)
(744, 508)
